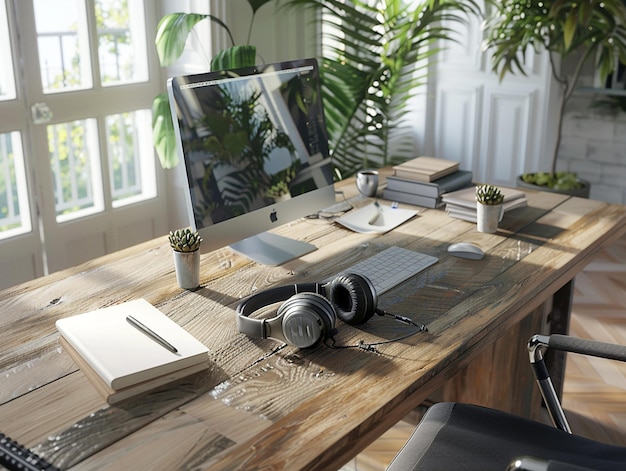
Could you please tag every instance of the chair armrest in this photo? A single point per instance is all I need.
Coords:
(587, 347)
(536, 347)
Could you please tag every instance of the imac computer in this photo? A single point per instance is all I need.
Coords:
(255, 151)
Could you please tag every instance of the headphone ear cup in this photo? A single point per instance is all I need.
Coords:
(353, 297)
(307, 319)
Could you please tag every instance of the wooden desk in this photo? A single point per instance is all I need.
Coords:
(274, 407)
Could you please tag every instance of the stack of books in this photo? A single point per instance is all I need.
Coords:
(122, 358)
(461, 204)
(422, 181)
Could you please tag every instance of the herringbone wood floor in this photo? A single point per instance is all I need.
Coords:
(594, 395)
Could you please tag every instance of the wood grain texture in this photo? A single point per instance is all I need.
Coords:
(273, 406)
(594, 389)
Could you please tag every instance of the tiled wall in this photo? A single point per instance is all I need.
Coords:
(594, 146)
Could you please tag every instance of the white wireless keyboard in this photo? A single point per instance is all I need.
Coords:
(392, 266)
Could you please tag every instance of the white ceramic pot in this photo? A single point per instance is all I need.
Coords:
(187, 266)
(487, 217)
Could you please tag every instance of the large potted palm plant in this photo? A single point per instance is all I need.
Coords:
(375, 58)
(576, 30)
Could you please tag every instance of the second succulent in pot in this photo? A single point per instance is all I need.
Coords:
(185, 240)
(489, 195)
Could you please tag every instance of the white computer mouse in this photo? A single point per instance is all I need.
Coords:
(466, 250)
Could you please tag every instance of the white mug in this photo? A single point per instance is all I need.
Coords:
(367, 182)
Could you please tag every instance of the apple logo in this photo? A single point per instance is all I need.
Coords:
(273, 216)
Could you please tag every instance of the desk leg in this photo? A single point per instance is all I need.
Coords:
(558, 320)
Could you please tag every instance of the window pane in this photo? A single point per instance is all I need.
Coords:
(121, 41)
(7, 82)
(74, 158)
(14, 211)
(131, 158)
(63, 42)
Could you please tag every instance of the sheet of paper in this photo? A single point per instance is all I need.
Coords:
(372, 219)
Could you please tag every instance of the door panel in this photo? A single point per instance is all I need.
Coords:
(497, 129)
(457, 136)
(506, 133)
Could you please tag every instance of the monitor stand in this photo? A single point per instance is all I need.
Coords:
(272, 249)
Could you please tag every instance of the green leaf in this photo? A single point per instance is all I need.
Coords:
(163, 135)
(256, 4)
(234, 57)
(173, 31)
(569, 29)
(606, 63)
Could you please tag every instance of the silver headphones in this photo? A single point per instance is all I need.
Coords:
(310, 311)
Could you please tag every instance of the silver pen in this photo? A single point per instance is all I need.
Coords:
(150, 333)
(379, 212)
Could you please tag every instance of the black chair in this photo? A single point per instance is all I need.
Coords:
(454, 436)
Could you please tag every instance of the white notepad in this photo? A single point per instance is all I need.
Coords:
(375, 220)
(123, 355)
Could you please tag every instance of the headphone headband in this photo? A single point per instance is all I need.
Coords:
(264, 328)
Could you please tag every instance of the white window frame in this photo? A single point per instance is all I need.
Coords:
(50, 235)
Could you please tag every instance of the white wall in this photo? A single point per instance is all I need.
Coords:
(594, 138)
(594, 146)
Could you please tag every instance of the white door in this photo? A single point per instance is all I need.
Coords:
(78, 175)
(496, 129)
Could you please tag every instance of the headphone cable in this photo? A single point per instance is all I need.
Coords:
(371, 347)
(403, 319)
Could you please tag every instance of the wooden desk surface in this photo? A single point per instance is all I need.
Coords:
(270, 406)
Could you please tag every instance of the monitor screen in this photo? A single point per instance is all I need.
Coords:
(255, 151)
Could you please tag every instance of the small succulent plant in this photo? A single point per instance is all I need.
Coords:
(489, 195)
(185, 240)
